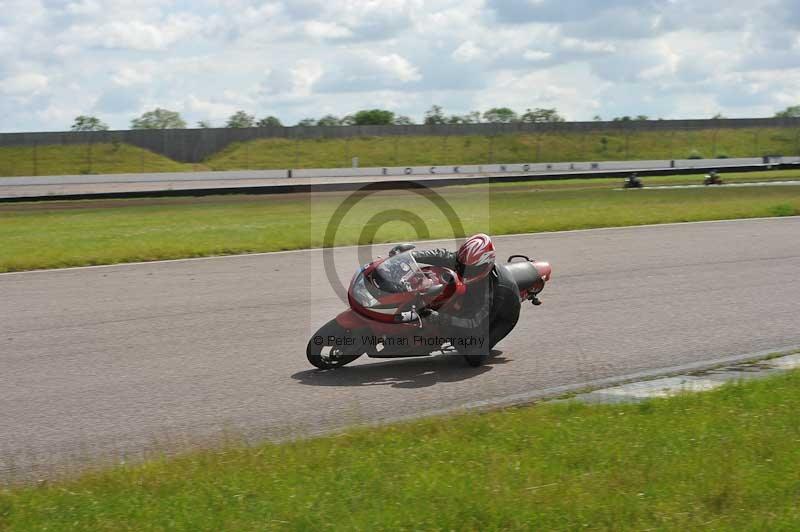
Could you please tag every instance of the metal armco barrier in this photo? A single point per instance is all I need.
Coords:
(195, 145)
(337, 179)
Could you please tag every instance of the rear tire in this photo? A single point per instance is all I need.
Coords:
(324, 353)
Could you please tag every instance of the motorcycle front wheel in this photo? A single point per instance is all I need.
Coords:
(476, 360)
(329, 349)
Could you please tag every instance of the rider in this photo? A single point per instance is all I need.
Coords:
(490, 308)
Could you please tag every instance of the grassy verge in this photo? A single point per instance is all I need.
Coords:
(688, 179)
(412, 151)
(59, 234)
(726, 459)
(78, 159)
(550, 147)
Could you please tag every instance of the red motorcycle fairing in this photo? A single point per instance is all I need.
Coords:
(353, 321)
(379, 320)
(441, 286)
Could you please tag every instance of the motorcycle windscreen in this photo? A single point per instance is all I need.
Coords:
(400, 274)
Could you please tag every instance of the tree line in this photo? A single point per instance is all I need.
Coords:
(165, 119)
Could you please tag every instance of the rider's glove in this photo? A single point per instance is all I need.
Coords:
(433, 317)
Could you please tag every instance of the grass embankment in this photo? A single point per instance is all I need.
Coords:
(411, 151)
(59, 234)
(78, 159)
(441, 150)
(726, 459)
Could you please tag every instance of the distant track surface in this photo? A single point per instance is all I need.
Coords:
(104, 363)
(280, 181)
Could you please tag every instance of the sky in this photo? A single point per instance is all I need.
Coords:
(115, 59)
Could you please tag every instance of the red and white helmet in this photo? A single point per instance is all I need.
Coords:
(476, 258)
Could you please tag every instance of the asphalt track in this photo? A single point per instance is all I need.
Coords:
(103, 364)
(276, 181)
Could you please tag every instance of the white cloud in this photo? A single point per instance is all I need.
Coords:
(467, 51)
(24, 84)
(326, 30)
(305, 75)
(536, 55)
(136, 34)
(132, 75)
(397, 67)
(210, 110)
(298, 58)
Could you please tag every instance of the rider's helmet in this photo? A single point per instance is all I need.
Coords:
(476, 258)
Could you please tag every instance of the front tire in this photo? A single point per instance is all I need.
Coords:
(476, 360)
(323, 350)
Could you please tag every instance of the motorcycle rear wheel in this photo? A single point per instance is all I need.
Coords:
(323, 350)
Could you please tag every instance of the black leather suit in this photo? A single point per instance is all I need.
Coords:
(490, 308)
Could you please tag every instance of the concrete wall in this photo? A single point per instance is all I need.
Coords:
(195, 145)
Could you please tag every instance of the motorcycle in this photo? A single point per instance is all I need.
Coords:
(389, 298)
(712, 178)
(633, 181)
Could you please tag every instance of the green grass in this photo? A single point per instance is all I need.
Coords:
(84, 159)
(412, 151)
(440, 150)
(687, 179)
(59, 234)
(726, 459)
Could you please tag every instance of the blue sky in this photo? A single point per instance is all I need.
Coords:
(306, 58)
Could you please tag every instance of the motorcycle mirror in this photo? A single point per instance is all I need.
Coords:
(400, 248)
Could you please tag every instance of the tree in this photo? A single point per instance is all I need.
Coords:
(473, 117)
(204, 124)
(539, 115)
(597, 118)
(159, 119)
(88, 123)
(501, 115)
(373, 117)
(241, 119)
(329, 120)
(348, 120)
(789, 112)
(642, 117)
(718, 116)
(625, 118)
(306, 122)
(269, 121)
(435, 115)
(402, 120)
